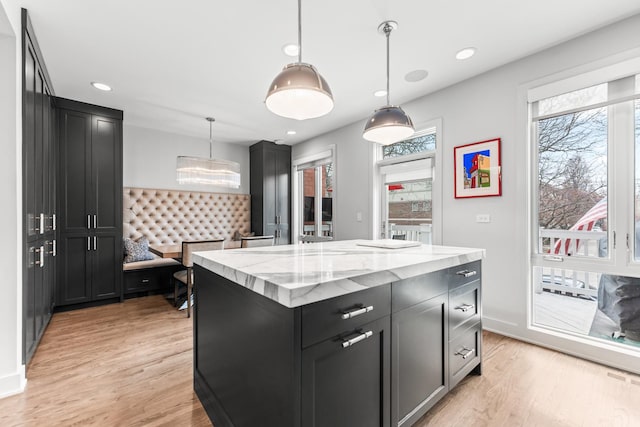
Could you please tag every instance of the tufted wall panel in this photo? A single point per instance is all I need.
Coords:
(168, 217)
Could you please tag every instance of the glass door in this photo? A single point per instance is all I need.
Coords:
(316, 219)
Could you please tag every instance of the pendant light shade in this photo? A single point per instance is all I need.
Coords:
(203, 171)
(390, 123)
(299, 92)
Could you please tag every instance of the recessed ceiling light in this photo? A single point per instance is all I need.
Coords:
(290, 49)
(101, 86)
(291, 132)
(466, 53)
(416, 75)
(380, 93)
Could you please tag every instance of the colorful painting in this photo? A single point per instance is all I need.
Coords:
(477, 170)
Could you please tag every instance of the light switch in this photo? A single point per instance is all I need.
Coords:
(483, 218)
(359, 216)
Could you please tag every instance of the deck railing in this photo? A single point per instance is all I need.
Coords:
(417, 233)
(569, 243)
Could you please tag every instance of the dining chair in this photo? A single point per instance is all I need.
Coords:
(186, 276)
(255, 241)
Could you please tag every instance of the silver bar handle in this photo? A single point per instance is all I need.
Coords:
(42, 223)
(89, 222)
(357, 339)
(465, 307)
(54, 221)
(357, 312)
(465, 352)
(95, 221)
(466, 273)
(41, 256)
(55, 248)
(88, 243)
(95, 243)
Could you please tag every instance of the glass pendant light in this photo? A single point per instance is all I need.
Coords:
(390, 123)
(299, 92)
(200, 170)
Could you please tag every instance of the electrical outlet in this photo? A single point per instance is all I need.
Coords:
(359, 216)
(483, 218)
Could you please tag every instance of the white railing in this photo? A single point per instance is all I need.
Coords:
(417, 233)
(569, 243)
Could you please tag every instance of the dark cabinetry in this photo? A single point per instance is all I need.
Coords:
(377, 357)
(270, 186)
(39, 192)
(90, 202)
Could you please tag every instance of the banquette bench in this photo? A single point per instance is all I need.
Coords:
(169, 217)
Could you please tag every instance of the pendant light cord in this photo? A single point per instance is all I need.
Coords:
(299, 31)
(210, 120)
(387, 31)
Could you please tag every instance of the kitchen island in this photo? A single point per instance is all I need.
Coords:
(334, 334)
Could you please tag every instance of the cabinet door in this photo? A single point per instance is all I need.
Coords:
(75, 170)
(106, 274)
(420, 363)
(270, 188)
(105, 196)
(74, 269)
(28, 298)
(347, 386)
(282, 196)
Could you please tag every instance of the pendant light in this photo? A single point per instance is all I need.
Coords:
(299, 92)
(390, 123)
(200, 170)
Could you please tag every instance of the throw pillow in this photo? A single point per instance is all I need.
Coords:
(137, 251)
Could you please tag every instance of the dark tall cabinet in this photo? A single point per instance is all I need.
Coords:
(270, 186)
(89, 202)
(39, 192)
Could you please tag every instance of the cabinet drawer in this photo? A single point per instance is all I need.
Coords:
(464, 307)
(325, 319)
(462, 274)
(464, 354)
(149, 279)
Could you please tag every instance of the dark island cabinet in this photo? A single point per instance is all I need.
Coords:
(382, 356)
(89, 203)
(270, 187)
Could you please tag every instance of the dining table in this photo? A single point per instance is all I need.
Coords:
(175, 251)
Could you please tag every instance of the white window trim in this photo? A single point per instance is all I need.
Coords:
(427, 127)
(329, 152)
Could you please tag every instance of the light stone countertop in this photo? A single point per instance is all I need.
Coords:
(295, 275)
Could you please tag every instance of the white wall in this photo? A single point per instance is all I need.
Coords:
(488, 106)
(150, 159)
(12, 377)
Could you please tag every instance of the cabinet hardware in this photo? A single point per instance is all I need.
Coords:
(465, 307)
(88, 243)
(41, 256)
(350, 314)
(466, 273)
(89, 222)
(95, 243)
(42, 223)
(145, 280)
(465, 352)
(357, 339)
(277, 219)
(54, 221)
(54, 250)
(554, 258)
(95, 221)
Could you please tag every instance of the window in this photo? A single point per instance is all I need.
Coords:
(405, 176)
(314, 210)
(587, 239)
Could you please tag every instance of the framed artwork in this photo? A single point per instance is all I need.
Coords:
(477, 170)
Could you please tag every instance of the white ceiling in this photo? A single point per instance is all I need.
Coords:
(173, 63)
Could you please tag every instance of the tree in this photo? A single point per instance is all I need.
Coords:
(571, 173)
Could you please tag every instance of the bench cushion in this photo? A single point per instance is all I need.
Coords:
(155, 262)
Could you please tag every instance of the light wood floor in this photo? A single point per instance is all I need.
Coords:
(130, 364)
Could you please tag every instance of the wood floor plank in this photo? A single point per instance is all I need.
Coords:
(130, 364)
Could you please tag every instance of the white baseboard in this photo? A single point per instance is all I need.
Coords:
(13, 384)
